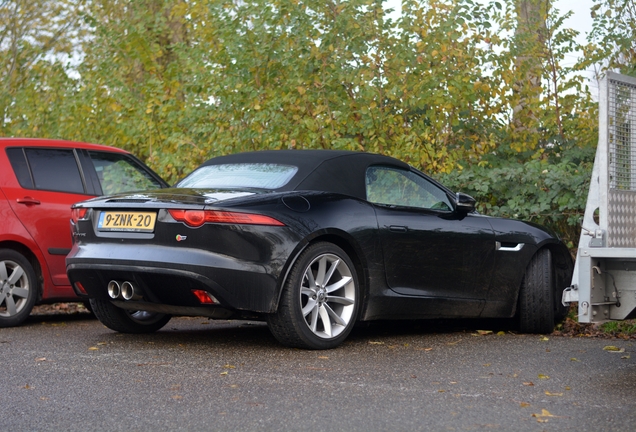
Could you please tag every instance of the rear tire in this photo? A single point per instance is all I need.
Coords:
(537, 297)
(125, 321)
(18, 288)
(319, 302)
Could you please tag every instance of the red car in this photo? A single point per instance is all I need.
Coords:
(39, 180)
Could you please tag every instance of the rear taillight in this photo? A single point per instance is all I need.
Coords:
(78, 213)
(196, 218)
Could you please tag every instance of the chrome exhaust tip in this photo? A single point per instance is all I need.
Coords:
(130, 292)
(114, 289)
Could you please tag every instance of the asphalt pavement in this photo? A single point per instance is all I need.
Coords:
(71, 373)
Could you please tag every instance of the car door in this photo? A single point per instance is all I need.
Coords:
(429, 250)
(51, 182)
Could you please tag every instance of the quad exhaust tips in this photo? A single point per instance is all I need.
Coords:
(118, 290)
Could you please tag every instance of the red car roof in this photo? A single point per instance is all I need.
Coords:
(45, 142)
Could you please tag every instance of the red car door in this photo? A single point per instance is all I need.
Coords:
(43, 198)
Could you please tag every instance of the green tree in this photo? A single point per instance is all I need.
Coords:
(38, 44)
(613, 35)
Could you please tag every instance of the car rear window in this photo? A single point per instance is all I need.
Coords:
(46, 169)
(20, 167)
(55, 169)
(247, 175)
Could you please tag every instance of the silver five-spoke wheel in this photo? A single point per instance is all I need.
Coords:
(320, 299)
(17, 288)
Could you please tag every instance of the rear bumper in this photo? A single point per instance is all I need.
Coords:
(170, 284)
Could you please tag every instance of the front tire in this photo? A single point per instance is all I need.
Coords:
(125, 321)
(320, 299)
(537, 297)
(18, 288)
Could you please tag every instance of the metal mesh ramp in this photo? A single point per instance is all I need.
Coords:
(621, 140)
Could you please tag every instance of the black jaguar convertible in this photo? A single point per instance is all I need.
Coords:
(310, 241)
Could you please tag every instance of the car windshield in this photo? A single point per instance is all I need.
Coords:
(247, 175)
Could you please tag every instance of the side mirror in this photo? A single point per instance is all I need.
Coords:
(464, 203)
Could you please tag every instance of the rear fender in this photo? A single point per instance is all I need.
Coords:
(340, 239)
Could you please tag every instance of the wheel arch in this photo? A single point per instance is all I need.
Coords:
(33, 260)
(562, 266)
(562, 261)
(344, 241)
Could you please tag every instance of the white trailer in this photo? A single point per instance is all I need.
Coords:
(604, 279)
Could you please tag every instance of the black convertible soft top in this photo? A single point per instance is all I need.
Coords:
(336, 171)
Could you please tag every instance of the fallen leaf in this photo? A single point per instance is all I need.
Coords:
(501, 333)
(453, 343)
(229, 366)
(528, 383)
(102, 343)
(177, 397)
(524, 404)
(487, 364)
(40, 359)
(544, 413)
(541, 376)
(375, 343)
(544, 339)
(625, 357)
(568, 388)
(423, 349)
(553, 394)
(224, 373)
(611, 348)
(484, 332)
(93, 349)
(28, 387)
(575, 359)
(323, 357)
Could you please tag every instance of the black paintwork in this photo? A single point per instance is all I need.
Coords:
(412, 263)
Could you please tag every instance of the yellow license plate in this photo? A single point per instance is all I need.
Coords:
(127, 221)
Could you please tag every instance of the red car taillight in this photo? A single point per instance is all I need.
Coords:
(78, 213)
(196, 218)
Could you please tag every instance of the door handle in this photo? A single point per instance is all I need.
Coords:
(398, 228)
(27, 200)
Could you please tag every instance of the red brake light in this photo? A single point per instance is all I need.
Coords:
(80, 287)
(78, 213)
(204, 297)
(196, 218)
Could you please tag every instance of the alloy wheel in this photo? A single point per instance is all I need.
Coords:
(327, 296)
